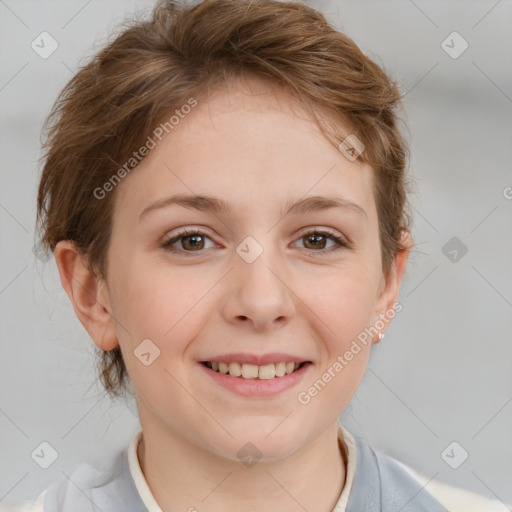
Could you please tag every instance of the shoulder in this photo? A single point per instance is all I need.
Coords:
(75, 490)
(382, 482)
(84, 488)
(455, 499)
(29, 506)
(69, 488)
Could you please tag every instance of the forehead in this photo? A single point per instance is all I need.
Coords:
(247, 142)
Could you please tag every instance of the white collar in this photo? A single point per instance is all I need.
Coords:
(152, 506)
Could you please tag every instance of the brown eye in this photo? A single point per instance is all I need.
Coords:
(194, 242)
(191, 241)
(316, 241)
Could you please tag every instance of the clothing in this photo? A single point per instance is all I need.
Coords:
(375, 482)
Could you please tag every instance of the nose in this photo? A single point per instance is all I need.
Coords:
(258, 294)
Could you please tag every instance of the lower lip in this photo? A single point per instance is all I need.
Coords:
(257, 387)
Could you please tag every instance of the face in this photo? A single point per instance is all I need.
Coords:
(248, 279)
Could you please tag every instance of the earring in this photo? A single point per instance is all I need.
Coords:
(381, 336)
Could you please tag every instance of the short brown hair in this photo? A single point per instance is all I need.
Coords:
(153, 66)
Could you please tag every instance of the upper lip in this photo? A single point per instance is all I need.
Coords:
(260, 360)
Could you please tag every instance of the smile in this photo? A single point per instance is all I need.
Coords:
(256, 381)
(253, 371)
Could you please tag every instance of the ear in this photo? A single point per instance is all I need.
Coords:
(88, 295)
(390, 287)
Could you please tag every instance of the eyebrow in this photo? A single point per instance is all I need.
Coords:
(212, 204)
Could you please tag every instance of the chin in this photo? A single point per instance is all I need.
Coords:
(268, 438)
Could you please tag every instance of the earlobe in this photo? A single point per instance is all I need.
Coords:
(87, 295)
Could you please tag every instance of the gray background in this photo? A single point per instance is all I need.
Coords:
(442, 373)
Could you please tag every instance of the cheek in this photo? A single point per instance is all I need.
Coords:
(160, 319)
(155, 304)
(344, 311)
(344, 303)
(344, 352)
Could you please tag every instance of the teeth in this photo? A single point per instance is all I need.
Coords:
(253, 371)
(249, 371)
(280, 369)
(235, 369)
(267, 372)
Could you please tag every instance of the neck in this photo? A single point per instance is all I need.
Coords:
(183, 476)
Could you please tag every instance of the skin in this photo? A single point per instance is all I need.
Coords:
(250, 145)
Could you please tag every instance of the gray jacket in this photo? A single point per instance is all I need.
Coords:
(380, 485)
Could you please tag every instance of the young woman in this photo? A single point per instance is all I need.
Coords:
(224, 189)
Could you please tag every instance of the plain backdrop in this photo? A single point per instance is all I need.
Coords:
(443, 372)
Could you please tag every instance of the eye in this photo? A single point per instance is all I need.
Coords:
(192, 241)
(317, 239)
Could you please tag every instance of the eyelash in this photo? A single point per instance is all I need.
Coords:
(341, 244)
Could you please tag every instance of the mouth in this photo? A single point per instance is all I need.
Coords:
(247, 371)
